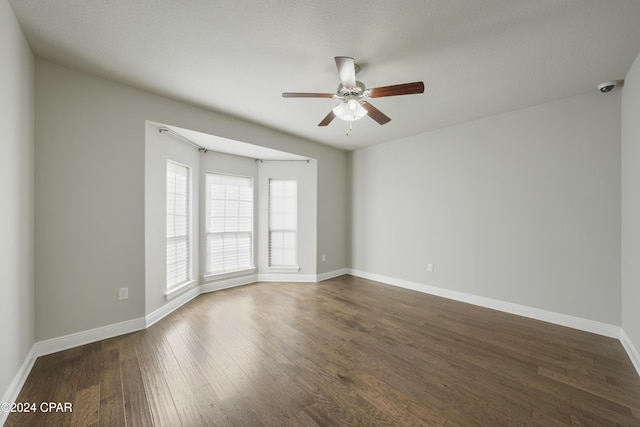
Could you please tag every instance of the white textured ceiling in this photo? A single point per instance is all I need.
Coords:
(476, 57)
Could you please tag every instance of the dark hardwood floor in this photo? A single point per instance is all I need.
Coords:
(346, 351)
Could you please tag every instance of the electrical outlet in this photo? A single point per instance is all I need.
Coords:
(123, 293)
(324, 257)
(430, 268)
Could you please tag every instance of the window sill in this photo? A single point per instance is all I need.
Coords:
(228, 275)
(283, 269)
(179, 290)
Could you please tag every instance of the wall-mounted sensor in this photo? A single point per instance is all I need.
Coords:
(607, 86)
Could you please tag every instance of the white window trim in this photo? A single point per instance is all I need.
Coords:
(228, 274)
(178, 286)
(282, 268)
(210, 276)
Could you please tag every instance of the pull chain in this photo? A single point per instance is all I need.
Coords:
(349, 129)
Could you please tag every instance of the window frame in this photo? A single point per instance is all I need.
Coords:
(271, 229)
(240, 269)
(186, 238)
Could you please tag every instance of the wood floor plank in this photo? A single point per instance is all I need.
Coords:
(136, 405)
(112, 411)
(67, 371)
(347, 351)
(86, 408)
(159, 398)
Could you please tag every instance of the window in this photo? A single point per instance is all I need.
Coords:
(229, 223)
(178, 225)
(283, 223)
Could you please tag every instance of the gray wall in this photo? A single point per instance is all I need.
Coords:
(523, 207)
(90, 156)
(631, 204)
(17, 212)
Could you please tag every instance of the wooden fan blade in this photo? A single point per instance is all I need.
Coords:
(403, 89)
(347, 71)
(327, 119)
(306, 95)
(375, 114)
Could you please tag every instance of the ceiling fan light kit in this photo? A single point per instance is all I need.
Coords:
(350, 110)
(353, 95)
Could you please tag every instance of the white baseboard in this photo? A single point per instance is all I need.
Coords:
(605, 329)
(65, 342)
(12, 392)
(631, 350)
(54, 345)
(331, 274)
(285, 277)
(600, 328)
(109, 331)
(171, 306)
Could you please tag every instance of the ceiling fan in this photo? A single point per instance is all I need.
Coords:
(353, 95)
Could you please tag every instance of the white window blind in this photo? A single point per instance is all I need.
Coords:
(229, 223)
(178, 224)
(283, 223)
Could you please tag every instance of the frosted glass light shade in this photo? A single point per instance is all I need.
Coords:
(349, 111)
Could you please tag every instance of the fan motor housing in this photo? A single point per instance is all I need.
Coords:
(358, 90)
